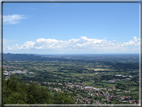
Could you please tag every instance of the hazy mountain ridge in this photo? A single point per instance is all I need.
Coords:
(90, 57)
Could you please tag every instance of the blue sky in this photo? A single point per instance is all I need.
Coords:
(71, 28)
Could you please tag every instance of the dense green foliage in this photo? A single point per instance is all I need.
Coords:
(15, 92)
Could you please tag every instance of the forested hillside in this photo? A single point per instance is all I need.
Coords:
(15, 92)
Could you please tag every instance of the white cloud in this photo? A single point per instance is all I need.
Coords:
(27, 45)
(82, 43)
(134, 41)
(12, 19)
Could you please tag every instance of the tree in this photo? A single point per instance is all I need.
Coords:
(15, 92)
(61, 98)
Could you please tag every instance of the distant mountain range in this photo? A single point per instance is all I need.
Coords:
(81, 57)
(23, 57)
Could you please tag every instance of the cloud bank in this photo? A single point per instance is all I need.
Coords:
(83, 43)
(12, 19)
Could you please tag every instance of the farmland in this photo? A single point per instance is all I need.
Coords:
(75, 76)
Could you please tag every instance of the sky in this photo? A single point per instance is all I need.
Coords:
(71, 28)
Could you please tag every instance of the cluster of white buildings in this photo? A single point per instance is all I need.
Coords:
(6, 73)
(123, 76)
(91, 88)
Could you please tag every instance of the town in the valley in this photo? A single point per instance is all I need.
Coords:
(102, 80)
